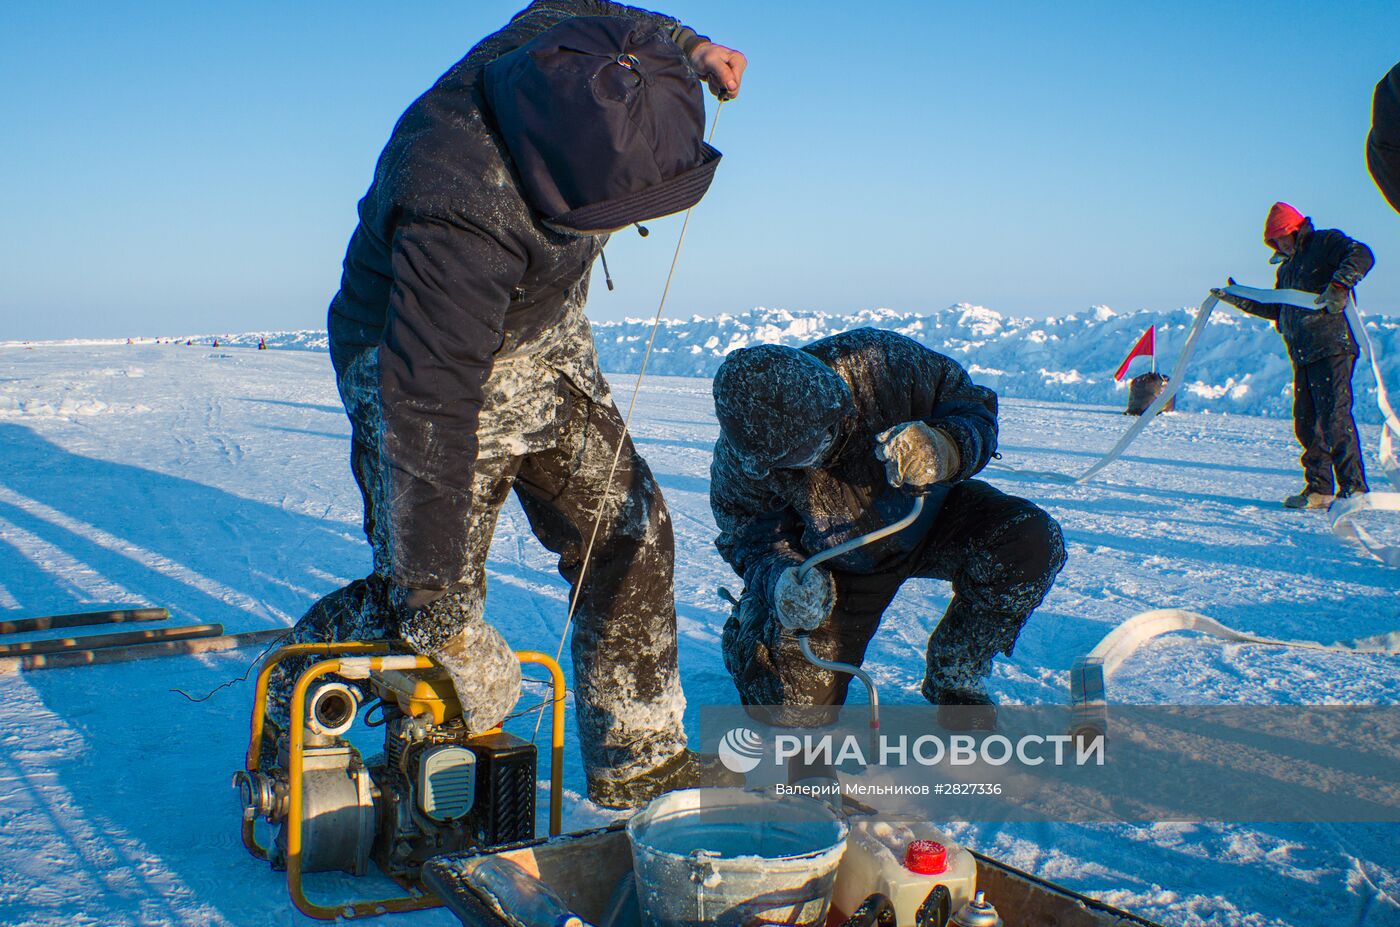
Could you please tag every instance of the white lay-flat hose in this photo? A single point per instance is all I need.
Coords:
(1089, 677)
(1165, 396)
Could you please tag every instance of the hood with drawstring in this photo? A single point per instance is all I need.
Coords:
(778, 405)
(605, 123)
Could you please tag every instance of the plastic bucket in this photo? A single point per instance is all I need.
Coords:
(733, 858)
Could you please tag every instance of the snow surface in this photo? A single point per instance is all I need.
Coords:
(215, 482)
(1240, 365)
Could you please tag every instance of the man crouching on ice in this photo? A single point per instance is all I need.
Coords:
(823, 444)
(468, 370)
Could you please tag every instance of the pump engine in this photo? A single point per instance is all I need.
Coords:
(435, 788)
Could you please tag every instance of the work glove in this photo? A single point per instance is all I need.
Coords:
(1334, 299)
(450, 628)
(917, 455)
(804, 604)
(1226, 297)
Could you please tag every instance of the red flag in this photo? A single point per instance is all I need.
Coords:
(1145, 347)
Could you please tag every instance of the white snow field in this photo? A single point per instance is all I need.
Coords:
(214, 482)
(1239, 365)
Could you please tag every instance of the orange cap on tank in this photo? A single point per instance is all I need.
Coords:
(926, 857)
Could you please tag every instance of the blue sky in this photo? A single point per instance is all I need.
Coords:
(187, 167)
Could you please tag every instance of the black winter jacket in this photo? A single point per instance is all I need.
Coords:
(1383, 144)
(448, 269)
(768, 525)
(1323, 257)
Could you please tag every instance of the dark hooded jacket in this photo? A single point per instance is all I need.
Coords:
(767, 525)
(448, 270)
(1323, 257)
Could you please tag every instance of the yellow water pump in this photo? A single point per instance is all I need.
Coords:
(436, 788)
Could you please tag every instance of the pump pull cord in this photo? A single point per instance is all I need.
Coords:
(626, 431)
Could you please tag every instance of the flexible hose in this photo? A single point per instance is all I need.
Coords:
(849, 668)
(807, 565)
(914, 512)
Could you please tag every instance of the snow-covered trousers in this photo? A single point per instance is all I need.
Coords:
(626, 683)
(1323, 422)
(1001, 554)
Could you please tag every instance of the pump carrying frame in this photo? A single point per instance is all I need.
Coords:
(356, 660)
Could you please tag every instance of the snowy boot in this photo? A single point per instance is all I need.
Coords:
(965, 709)
(483, 668)
(685, 770)
(1308, 499)
(960, 653)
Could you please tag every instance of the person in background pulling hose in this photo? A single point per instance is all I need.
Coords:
(1321, 346)
(822, 444)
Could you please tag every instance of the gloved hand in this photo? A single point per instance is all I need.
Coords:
(803, 605)
(917, 455)
(1224, 297)
(1334, 299)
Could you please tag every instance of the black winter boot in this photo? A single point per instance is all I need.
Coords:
(685, 770)
(960, 653)
(964, 710)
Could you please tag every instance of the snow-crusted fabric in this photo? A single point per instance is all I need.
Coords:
(916, 455)
(553, 444)
(777, 406)
(451, 629)
(627, 687)
(803, 604)
(357, 612)
(1000, 553)
(770, 524)
(485, 674)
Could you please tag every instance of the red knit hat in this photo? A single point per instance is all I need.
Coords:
(1283, 220)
